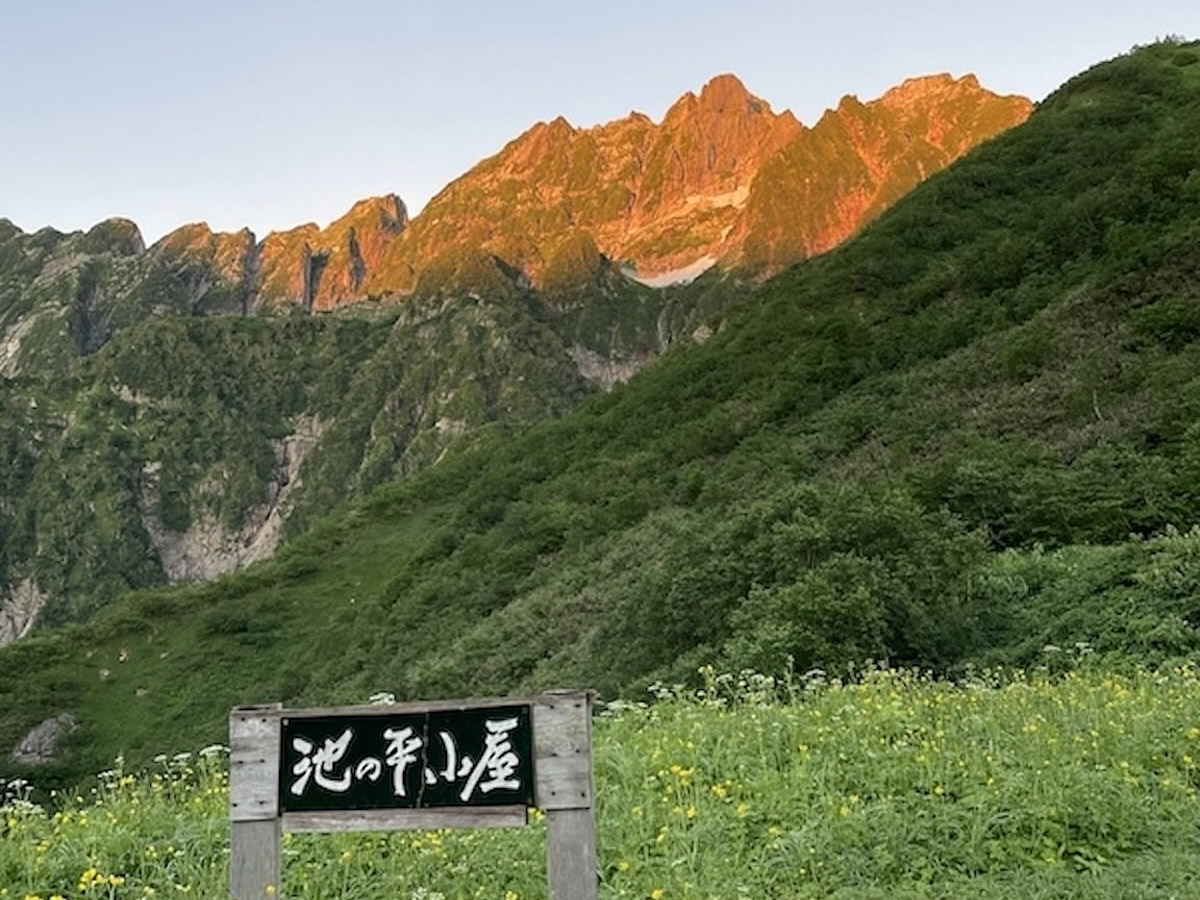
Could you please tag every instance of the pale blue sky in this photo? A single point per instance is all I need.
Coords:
(270, 113)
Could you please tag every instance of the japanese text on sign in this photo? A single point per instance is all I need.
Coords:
(448, 758)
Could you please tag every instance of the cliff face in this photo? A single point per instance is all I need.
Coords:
(65, 295)
(721, 178)
(320, 269)
(307, 266)
(860, 159)
(221, 268)
(654, 196)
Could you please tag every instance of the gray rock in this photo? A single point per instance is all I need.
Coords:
(19, 609)
(40, 745)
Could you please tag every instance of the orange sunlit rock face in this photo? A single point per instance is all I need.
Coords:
(723, 179)
(858, 160)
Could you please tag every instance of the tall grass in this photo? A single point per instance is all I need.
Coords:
(887, 785)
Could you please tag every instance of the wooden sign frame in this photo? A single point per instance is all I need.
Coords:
(562, 748)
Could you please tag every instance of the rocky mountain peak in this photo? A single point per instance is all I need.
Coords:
(859, 159)
(722, 178)
(926, 87)
(535, 144)
(117, 235)
(672, 197)
(197, 235)
(322, 268)
(387, 212)
(724, 97)
(725, 92)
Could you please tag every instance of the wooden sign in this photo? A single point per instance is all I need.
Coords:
(445, 764)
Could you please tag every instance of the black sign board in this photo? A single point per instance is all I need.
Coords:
(444, 758)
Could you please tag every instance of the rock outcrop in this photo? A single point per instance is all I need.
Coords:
(653, 196)
(323, 268)
(42, 742)
(209, 549)
(220, 268)
(19, 609)
(857, 161)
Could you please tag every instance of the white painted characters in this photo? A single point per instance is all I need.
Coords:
(498, 761)
(401, 753)
(318, 762)
(326, 765)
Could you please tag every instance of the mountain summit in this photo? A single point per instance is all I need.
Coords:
(722, 179)
(858, 160)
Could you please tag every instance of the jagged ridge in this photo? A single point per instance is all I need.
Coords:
(723, 178)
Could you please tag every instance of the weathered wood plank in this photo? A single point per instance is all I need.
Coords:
(562, 735)
(563, 782)
(395, 819)
(562, 725)
(254, 860)
(254, 764)
(251, 729)
(571, 854)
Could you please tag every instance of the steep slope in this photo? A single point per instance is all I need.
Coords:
(151, 438)
(625, 184)
(188, 447)
(857, 161)
(320, 269)
(931, 445)
(63, 295)
(220, 270)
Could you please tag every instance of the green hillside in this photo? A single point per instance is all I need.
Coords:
(181, 445)
(967, 434)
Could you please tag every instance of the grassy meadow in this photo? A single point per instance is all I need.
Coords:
(889, 784)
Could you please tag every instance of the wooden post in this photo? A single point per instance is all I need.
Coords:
(571, 854)
(254, 860)
(562, 730)
(254, 802)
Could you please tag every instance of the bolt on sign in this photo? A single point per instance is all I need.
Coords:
(445, 764)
